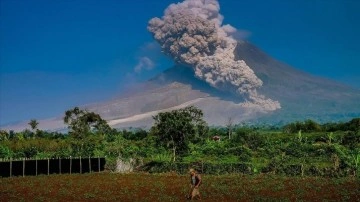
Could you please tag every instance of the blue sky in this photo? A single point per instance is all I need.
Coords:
(55, 55)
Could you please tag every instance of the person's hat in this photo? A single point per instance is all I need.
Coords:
(191, 170)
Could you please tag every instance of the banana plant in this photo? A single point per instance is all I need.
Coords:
(355, 158)
(300, 136)
(330, 137)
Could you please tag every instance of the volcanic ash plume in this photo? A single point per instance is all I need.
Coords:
(192, 33)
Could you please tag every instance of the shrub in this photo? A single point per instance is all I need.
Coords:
(252, 139)
(111, 163)
(296, 149)
(351, 139)
(202, 167)
(5, 152)
(306, 126)
(243, 153)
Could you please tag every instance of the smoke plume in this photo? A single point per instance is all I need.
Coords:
(144, 63)
(191, 32)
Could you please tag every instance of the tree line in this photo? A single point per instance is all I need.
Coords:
(182, 136)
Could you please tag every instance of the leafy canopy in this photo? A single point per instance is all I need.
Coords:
(175, 129)
(81, 122)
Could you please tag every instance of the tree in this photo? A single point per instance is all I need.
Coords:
(306, 126)
(353, 125)
(175, 129)
(33, 124)
(4, 135)
(81, 122)
(229, 126)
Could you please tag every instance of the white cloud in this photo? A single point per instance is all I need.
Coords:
(144, 63)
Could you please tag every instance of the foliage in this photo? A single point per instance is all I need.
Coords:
(349, 158)
(4, 135)
(138, 134)
(81, 123)
(299, 148)
(249, 137)
(5, 152)
(175, 129)
(33, 124)
(306, 126)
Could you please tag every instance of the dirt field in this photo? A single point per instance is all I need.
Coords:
(172, 187)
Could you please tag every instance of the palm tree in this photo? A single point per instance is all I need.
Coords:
(33, 124)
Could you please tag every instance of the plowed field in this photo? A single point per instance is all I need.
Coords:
(172, 187)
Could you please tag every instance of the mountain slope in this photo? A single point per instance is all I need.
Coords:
(301, 95)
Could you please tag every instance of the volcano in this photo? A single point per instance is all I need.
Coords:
(301, 95)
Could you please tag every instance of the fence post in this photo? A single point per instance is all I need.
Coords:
(23, 167)
(99, 163)
(89, 165)
(48, 166)
(36, 166)
(10, 167)
(202, 166)
(70, 164)
(302, 170)
(80, 166)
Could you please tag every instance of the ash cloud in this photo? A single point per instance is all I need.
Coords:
(191, 32)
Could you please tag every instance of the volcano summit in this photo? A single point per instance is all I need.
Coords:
(302, 96)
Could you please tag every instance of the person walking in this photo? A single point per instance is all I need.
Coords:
(195, 183)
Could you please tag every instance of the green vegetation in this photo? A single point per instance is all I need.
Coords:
(181, 138)
(176, 129)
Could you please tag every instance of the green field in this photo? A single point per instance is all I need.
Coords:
(173, 187)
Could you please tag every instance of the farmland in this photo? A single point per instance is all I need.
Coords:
(173, 187)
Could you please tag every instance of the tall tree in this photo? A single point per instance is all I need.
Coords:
(81, 122)
(33, 124)
(229, 126)
(4, 135)
(175, 129)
